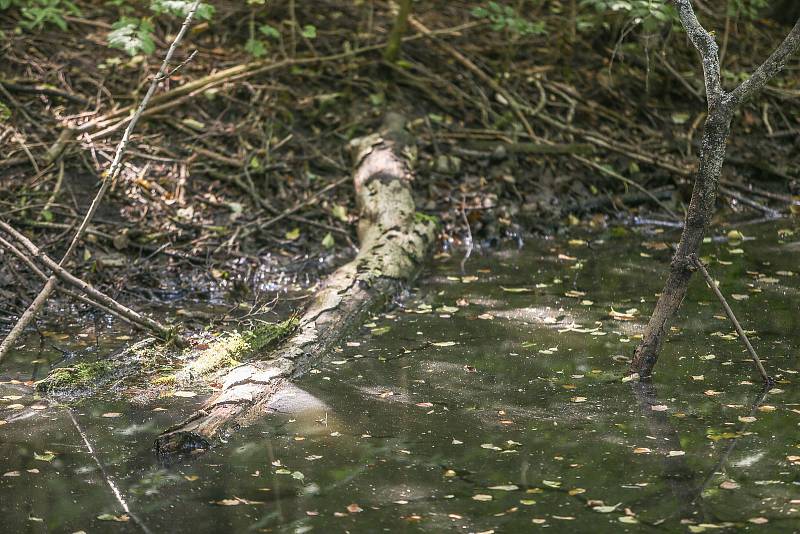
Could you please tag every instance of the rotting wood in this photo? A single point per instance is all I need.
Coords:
(394, 242)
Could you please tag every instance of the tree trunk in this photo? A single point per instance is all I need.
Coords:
(394, 243)
(721, 107)
(701, 209)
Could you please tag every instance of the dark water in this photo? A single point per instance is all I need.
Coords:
(491, 403)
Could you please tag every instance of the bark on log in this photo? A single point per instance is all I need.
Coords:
(394, 241)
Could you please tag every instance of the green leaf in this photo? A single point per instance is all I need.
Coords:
(132, 35)
(292, 234)
(181, 8)
(255, 47)
(46, 457)
(340, 212)
(328, 241)
(269, 31)
(309, 31)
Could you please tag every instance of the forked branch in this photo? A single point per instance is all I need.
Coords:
(716, 131)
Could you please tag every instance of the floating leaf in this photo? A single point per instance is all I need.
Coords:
(606, 509)
(47, 456)
(516, 289)
(118, 518)
(234, 502)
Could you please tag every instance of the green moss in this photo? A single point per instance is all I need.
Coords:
(167, 380)
(79, 376)
(424, 217)
(267, 334)
(227, 350)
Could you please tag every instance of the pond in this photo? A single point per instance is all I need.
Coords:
(490, 400)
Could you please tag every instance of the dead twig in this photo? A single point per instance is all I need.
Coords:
(96, 295)
(108, 179)
(729, 312)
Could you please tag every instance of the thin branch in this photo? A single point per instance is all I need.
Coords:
(772, 66)
(24, 258)
(114, 489)
(108, 179)
(705, 44)
(62, 274)
(729, 312)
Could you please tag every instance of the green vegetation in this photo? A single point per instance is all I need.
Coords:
(231, 347)
(424, 217)
(77, 377)
(506, 18)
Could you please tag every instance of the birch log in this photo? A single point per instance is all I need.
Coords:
(394, 242)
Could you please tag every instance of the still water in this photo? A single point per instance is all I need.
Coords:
(491, 400)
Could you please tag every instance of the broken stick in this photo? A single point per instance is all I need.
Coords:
(729, 312)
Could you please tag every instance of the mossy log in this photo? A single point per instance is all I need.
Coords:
(394, 241)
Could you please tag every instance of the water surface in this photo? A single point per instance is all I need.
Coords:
(489, 401)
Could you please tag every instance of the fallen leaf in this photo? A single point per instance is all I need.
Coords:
(47, 456)
(605, 509)
(118, 518)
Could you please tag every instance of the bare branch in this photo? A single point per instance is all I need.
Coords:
(772, 66)
(705, 44)
(108, 179)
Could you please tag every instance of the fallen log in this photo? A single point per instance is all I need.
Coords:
(394, 241)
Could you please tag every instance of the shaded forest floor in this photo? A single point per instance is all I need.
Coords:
(243, 187)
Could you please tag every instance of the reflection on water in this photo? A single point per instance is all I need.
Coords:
(491, 401)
